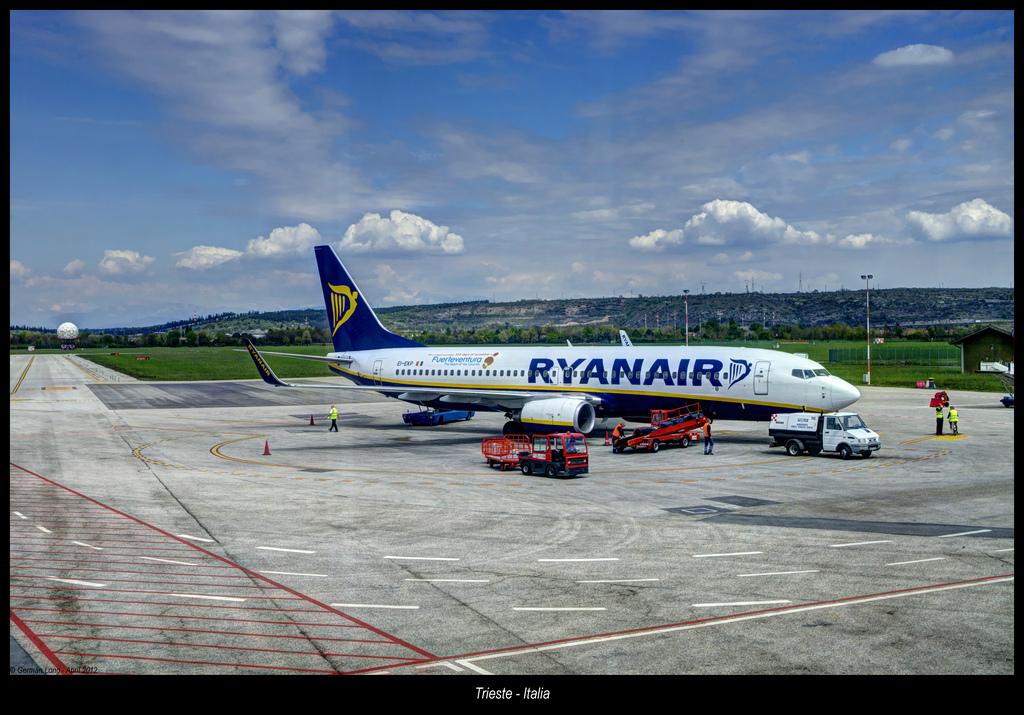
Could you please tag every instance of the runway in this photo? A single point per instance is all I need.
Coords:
(150, 534)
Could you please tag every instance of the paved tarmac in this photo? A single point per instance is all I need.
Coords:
(150, 534)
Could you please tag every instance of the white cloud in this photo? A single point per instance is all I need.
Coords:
(974, 219)
(19, 270)
(945, 134)
(609, 214)
(287, 240)
(755, 275)
(300, 35)
(74, 267)
(398, 292)
(858, 241)
(400, 231)
(801, 157)
(202, 257)
(225, 75)
(725, 221)
(900, 145)
(725, 259)
(976, 117)
(117, 263)
(915, 55)
(657, 240)
(420, 37)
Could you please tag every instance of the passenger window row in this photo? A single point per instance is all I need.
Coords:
(461, 373)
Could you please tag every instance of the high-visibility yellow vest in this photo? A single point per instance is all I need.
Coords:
(334, 413)
(938, 413)
(953, 416)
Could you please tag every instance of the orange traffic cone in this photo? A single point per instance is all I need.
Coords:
(311, 423)
(607, 438)
(266, 448)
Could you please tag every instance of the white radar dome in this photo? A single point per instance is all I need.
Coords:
(67, 331)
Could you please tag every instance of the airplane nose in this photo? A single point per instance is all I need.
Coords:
(843, 394)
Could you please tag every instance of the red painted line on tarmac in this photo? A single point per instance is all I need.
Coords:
(200, 662)
(133, 563)
(195, 618)
(63, 519)
(88, 538)
(779, 609)
(137, 581)
(147, 550)
(114, 626)
(60, 514)
(46, 508)
(144, 573)
(252, 574)
(92, 530)
(137, 602)
(30, 634)
(314, 653)
(78, 550)
(159, 593)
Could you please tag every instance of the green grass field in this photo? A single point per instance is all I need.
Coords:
(221, 363)
(226, 363)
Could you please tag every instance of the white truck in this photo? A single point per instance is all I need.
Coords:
(841, 432)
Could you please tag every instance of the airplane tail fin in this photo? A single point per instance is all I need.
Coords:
(351, 320)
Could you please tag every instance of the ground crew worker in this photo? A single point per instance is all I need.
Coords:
(709, 443)
(954, 418)
(617, 432)
(938, 420)
(334, 419)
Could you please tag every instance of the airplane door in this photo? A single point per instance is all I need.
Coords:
(376, 371)
(761, 369)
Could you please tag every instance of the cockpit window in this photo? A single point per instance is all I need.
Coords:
(808, 374)
(821, 373)
(798, 373)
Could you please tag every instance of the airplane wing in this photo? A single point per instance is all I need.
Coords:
(318, 358)
(412, 393)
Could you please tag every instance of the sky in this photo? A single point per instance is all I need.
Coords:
(171, 163)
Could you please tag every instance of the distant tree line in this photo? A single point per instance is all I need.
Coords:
(710, 330)
(506, 334)
(172, 338)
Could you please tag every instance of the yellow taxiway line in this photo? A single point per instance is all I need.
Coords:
(23, 374)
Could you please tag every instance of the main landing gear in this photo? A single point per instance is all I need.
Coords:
(513, 427)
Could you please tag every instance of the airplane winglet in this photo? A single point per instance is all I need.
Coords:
(262, 367)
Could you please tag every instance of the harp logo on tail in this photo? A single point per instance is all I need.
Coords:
(343, 305)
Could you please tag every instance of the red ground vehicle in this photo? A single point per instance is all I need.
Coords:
(678, 426)
(503, 452)
(560, 454)
(941, 399)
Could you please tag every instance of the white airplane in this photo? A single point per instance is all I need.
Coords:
(558, 388)
(1004, 372)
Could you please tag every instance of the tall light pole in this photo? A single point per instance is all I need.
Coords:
(867, 298)
(686, 305)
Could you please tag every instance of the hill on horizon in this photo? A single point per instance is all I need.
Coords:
(906, 307)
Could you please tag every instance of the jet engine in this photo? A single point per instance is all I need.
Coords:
(558, 414)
